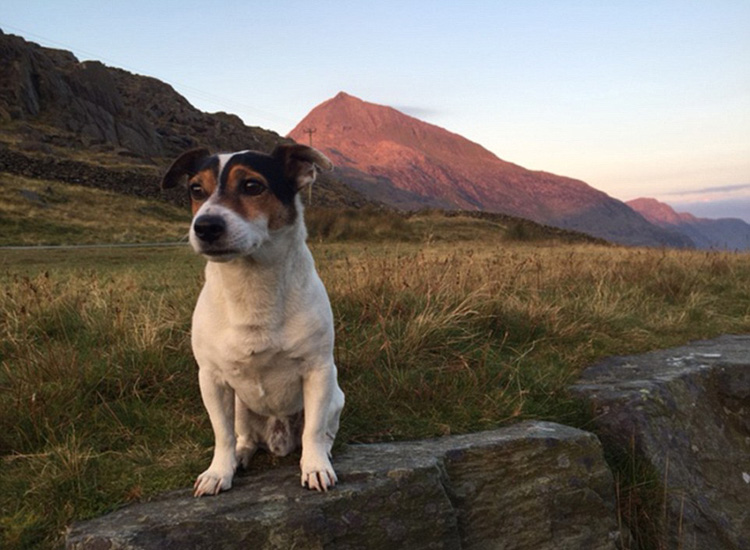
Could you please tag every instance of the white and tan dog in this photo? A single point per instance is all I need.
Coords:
(262, 328)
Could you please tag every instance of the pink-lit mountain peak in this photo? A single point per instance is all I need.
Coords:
(407, 162)
(355, 123)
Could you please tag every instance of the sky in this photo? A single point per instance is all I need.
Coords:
(636, 98)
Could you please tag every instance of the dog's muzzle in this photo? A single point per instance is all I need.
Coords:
(209, 228)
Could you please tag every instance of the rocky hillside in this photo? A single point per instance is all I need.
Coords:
(723, 233)
(410, 164)
(56, 100)
(84, 122)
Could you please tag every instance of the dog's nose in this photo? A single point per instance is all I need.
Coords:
(209, 228)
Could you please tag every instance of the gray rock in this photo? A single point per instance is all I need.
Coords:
(532, 486)
(687, 411)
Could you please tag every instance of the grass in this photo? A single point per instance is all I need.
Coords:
(444, 325)
(43, 212)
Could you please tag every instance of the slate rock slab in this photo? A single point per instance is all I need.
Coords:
(535, 485)
(687, 411)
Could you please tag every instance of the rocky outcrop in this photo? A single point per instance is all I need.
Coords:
(685, 412)
(534, 486)
(51, 97)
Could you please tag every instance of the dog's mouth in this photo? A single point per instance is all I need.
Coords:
(221, 255)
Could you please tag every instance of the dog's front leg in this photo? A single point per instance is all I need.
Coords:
(218, 399)
(318, 389)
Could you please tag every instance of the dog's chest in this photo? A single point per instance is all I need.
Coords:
(259, 345)
(267, 378)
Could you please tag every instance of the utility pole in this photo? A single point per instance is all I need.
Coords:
(309, 132)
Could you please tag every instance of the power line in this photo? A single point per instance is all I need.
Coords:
(309, 131)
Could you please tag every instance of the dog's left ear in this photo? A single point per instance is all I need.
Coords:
(187, 164)
(300, 162)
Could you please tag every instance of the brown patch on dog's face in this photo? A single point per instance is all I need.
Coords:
(201, 186)
(248, 193)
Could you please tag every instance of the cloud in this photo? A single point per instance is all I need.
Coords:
(720, 201)
(719, 189)
(417, 112)
(718, 193)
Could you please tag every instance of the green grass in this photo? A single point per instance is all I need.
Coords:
(34, 212)
(444, 325)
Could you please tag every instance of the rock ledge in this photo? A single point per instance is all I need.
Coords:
(534, 485)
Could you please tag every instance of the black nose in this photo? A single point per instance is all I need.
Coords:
(209, 228)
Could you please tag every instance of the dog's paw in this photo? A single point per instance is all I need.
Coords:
(317, 472)
(212, 481)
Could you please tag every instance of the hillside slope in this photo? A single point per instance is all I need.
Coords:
(84, 122)
(420, 164)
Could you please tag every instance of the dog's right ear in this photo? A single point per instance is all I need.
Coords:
(187, 164)
(300, 161)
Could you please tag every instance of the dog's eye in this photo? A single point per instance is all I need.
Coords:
(253, 187)
(196, 192)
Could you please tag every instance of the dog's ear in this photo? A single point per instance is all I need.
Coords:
(187, 164)
(300, 161)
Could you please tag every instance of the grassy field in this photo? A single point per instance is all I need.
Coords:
(444, 325)
(34, 212)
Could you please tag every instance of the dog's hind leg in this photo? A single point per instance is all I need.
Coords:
(334, 413)
(248, 426)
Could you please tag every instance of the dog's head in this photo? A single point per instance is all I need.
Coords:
(240, 199)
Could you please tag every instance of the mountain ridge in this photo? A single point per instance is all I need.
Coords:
(433, 164)
(707, 234)
(85, 122)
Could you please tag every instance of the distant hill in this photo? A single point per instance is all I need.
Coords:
(84, 122)
(723, 233)
(409, 163)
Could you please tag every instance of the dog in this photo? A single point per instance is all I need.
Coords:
(262, 328)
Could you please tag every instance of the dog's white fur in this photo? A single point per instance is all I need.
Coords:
(262, 335)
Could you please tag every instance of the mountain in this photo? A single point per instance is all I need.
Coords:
(85, 122)
(411, 164)
(723, 233)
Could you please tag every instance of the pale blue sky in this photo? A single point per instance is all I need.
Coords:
(637, 98)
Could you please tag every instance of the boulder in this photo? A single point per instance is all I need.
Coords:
(535, 485)
(685, 412)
